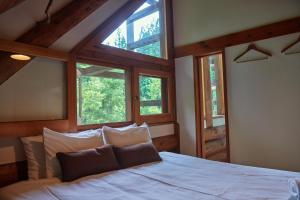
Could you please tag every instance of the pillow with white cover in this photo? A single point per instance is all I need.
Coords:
(129, 136)
(55, 142)
(35, 154)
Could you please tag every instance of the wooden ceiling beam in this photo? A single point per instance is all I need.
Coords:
(250, 35)
(45, 34)
(108, 26)
(5, 5)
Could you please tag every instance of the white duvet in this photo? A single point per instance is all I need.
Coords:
(177, 177)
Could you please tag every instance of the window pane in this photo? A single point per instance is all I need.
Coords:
(142, 31)
(146, 26)
(153, 95)
(102, 94)
(151, 49)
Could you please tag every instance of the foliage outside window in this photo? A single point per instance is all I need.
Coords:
(102, 95)
(143, 32)
(152, 96)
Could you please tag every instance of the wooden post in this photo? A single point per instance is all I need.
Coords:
(207, 91)
(219, 84)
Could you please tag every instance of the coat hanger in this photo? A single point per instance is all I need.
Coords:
(290, 46)
(255, 48)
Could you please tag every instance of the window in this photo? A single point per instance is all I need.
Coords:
(153, 92)
(143, 32)
(103, 94)
(153, 95)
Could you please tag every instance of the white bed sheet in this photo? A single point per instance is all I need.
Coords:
(177, 177)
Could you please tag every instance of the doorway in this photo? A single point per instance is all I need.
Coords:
(211, 107)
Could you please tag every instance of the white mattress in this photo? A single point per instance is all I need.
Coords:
(177, 177)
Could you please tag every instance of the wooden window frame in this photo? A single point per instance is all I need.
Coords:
(155, 6)
(91, 52)
(155, 118)
(100, 125)
(91, 47)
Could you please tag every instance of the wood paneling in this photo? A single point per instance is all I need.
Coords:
(166, 143)
(250, 35)
(44, 34)
(13, 172)
(5, 5)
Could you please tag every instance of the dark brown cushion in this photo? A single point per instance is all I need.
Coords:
(137, 154)
(87, 162)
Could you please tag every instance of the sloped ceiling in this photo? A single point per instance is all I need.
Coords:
(23, 17)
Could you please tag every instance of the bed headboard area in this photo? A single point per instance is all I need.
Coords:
(44, 94)
(13, 165)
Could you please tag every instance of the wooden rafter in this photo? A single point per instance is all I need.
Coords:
(108, 26)
(44, 34)
(5, 5)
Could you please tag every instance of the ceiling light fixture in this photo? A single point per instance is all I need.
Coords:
(20, 57)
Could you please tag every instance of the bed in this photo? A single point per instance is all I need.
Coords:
(177, 177)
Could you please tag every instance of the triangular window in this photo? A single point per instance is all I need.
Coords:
(143, 32)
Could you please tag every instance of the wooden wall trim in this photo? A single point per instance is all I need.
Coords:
(198, 107)
(31, 50)
(30, 128)
(226, 109)
(117, 60)
(259, 33)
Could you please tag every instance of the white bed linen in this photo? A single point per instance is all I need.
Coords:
(177, 177)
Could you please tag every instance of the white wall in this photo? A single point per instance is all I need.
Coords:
(37, 92)
(197, 20)
(186, 104)
(264, 107)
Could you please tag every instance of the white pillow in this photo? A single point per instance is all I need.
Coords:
(35, 154)
(126, 137)
(125, 127)
(55, 142)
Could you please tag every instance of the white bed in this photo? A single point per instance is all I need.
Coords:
(177, 177)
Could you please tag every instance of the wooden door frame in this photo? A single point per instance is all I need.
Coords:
(199, 101)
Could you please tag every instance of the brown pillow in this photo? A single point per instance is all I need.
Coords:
(137, 154)
(87, 162)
